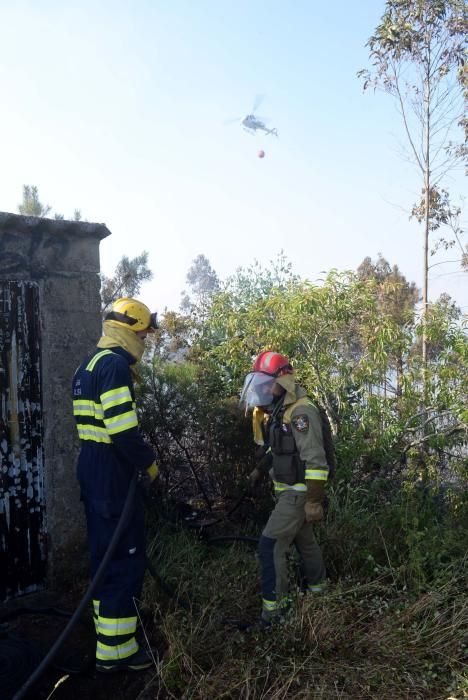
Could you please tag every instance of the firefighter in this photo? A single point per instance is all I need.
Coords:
(111, 450)
(287, 429)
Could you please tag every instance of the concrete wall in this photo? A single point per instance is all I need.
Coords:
(63, 258)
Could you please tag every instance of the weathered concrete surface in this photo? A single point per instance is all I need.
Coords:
(63, 258)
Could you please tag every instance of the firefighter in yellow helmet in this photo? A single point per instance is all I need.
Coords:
(112, 449)
(288, 429)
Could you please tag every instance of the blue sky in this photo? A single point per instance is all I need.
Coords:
(119, 109)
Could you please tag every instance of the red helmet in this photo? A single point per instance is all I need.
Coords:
(272, 363)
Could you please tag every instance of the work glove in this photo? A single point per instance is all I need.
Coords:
(313, 512)
(254, 477)
(313, 508)
(263, 459)
(147, 476)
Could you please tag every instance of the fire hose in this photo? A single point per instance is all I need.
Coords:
(49, 657)
(13, 648)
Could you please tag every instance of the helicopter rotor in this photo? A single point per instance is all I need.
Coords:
(257, 102)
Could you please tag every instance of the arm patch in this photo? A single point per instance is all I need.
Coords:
(301, 423)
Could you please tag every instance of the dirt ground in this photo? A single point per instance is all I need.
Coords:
(77, 653)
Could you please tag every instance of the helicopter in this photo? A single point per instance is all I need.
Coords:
(252, 123)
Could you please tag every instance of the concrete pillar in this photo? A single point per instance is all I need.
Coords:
(62, 258)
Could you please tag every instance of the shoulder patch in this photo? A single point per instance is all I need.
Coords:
(301, 423)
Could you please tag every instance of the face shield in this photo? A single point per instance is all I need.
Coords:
(257, 390)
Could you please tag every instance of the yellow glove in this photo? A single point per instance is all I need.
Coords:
(152, 471)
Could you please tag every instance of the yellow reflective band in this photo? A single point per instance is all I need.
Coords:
(120, 423)
(87, 408)
(317, 474)
(115, 397)
(269, 605)
(91, 364)
(119, 651)
(114, 627)
(92, 432)
(95, 429)
(279, 486)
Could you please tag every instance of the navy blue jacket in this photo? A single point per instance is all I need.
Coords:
(112, 447)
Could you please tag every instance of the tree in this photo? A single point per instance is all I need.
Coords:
(127, 280)
(203, 282)
(418, 58)
(256, 281)
(76, 216)
(396, 298)
(31, 205)
(370, 413)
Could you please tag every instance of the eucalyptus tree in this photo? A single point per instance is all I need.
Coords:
(418, 57)
(397, 298)
(313, 324)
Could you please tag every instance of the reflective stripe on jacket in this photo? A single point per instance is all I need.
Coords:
(107, 423)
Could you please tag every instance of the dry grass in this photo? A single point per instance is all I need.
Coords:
(362, 640)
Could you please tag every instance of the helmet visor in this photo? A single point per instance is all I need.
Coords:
(257, 390)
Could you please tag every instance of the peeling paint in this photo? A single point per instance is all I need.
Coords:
(22, 508)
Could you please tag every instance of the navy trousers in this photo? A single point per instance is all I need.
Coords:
(114, 606)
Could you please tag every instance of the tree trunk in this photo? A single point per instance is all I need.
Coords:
(427, 213)
(425, 271)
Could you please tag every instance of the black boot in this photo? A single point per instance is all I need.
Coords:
(138, 661)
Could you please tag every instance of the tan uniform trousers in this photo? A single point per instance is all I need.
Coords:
(286, 526)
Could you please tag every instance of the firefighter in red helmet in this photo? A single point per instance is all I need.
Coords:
(288, 430)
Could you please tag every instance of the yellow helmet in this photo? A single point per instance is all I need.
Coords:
(133, 315)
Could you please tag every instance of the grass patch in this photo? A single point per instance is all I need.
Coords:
(363, 639)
